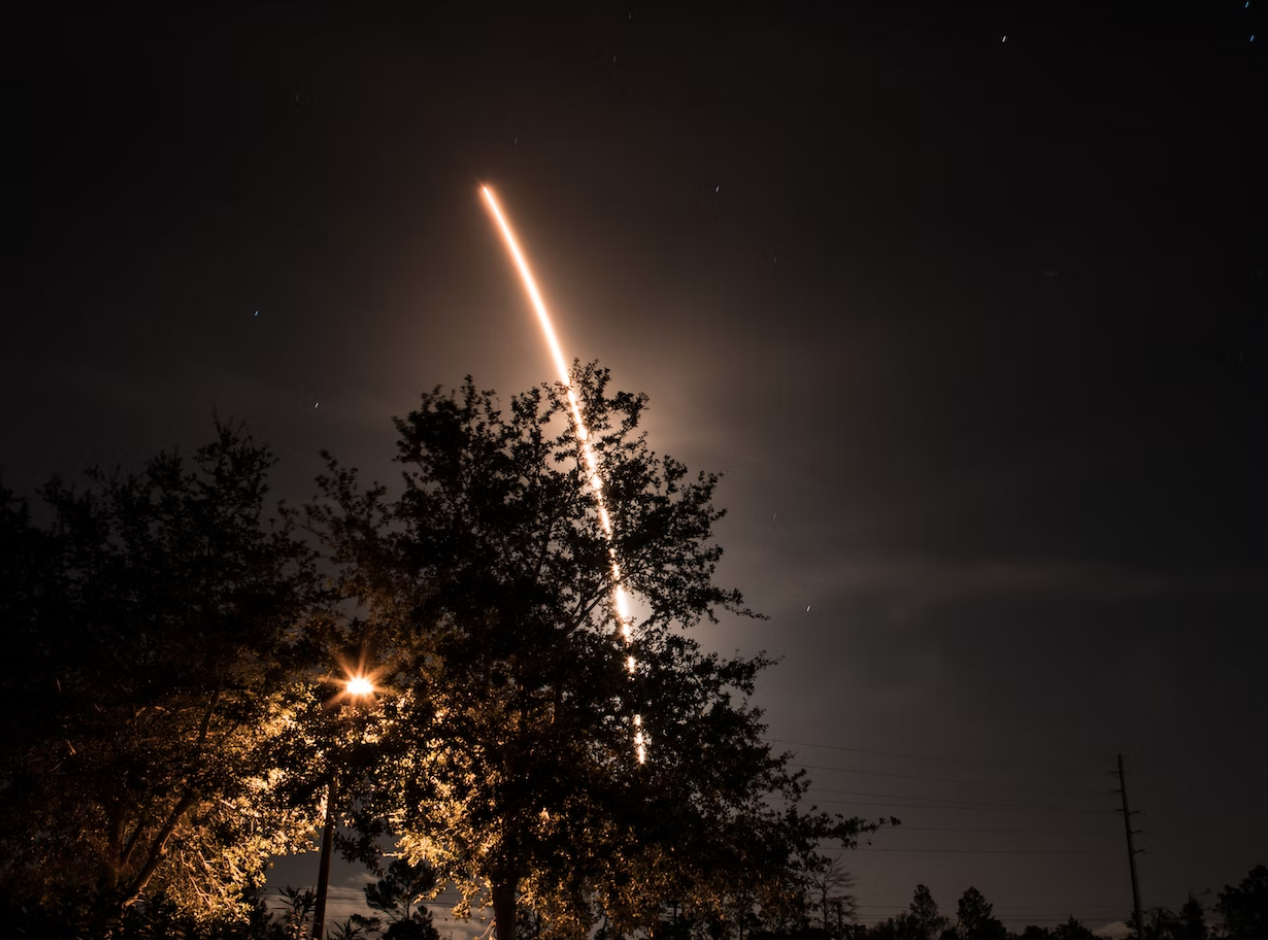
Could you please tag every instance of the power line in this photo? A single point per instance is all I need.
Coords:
(876, 917)
(1027, 830)
(1117, 915)
(1021, 911)
(954, 802)
(880, 773)
(904, 796)
(891, 804)
(991, 851)
(1000, 762)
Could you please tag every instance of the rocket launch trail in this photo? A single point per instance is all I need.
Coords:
(591, 460)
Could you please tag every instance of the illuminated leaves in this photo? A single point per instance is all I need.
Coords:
(489, 575)
(158, 657)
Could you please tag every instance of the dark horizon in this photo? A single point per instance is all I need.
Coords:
(967, 303)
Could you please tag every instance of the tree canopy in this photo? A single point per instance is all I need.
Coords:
(154, 616)
(923, 916)
(486, 591)
(975, 918)
(1245, 907)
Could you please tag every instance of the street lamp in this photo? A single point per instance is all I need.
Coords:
(355, 688)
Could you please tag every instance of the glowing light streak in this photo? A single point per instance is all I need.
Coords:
(590, 458)
(543, 318)
(640, 740)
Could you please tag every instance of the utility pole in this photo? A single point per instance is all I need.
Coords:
(1131, 851)
(323, 871)
(355, 689)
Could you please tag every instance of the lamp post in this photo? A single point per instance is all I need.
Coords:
(357, 687)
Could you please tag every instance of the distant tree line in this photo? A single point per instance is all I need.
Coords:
(1240, 913)
(175, 713)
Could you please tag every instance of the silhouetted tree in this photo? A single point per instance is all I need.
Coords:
(352, 928)
(1033, 932)
(1193, 920)
(1072, 930)
(297, 912)
(510, 760)
(1161, 923)
(891, 928)
(791, 933)
(399, 895)
(829, 880)
(974, 920)
(1245, 908)
(154, 624)
(925, 920)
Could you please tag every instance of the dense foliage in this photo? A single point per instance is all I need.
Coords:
(154, 619)
(510, 760)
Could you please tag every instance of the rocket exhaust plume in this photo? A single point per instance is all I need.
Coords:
(620, 598)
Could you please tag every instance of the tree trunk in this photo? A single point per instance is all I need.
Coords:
(109, 916)
(504, 909)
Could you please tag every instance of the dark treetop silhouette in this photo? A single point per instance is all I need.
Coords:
(509, 762)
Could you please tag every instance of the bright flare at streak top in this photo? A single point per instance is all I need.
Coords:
(583, 436)
(539, 307)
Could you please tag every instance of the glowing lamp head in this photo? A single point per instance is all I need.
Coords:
(359, 685)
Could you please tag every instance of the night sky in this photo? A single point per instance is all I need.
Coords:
(967, 301)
